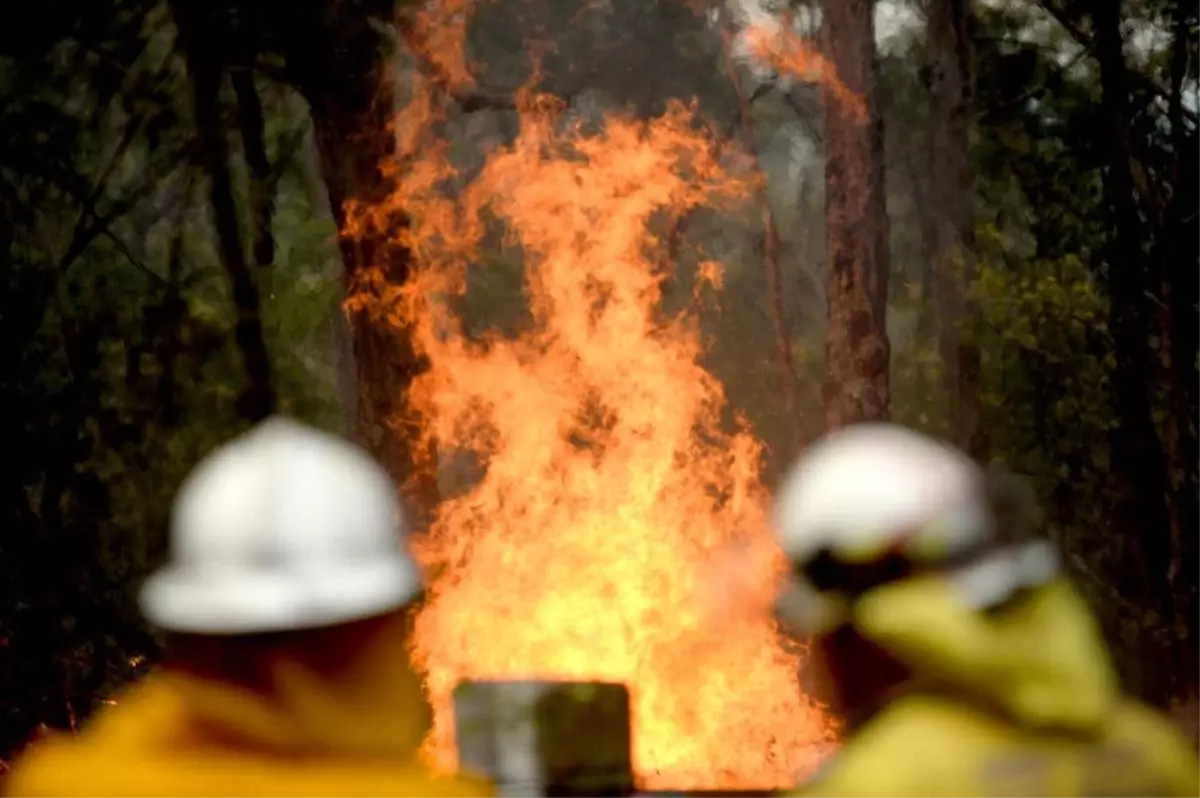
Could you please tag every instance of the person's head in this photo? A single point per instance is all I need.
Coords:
(285, 528)
(876, 504)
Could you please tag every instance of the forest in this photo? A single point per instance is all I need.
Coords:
(749, 221)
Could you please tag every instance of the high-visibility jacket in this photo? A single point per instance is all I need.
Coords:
(339, 718)
(1026, 704)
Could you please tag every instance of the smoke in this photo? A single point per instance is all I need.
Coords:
(756, 22)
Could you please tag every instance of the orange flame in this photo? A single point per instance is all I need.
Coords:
(585, 550)
(439, 29)
(789, 54)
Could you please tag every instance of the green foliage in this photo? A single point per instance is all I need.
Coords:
(119, 369)
(918, 393)
(1046, 354)
(301, 300)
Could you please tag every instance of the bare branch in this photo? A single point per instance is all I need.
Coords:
(123, 248)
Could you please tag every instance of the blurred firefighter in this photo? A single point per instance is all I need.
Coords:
(286, 602)
(959, 659)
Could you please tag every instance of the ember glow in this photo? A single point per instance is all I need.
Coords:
(584, 552)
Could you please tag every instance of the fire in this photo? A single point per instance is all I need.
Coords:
(609, 483)
(784, 51)
(769, 44)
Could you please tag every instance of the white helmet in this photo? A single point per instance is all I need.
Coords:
(875, 492)
(282, 528)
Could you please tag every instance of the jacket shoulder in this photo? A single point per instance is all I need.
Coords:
(914, 747)
(1136, 726)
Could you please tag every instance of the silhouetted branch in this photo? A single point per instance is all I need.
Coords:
(250, 120)
(123, 248)
(90, 224)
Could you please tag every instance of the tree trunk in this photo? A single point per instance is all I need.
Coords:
(351, 101)
(857, 352)
(167, 338)
(1140, 485)
(916, 176)
(953, 214)
(1181, 288)
(258, 395)
(770, 232)
(262, 184)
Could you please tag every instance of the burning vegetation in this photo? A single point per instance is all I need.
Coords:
(608, 479)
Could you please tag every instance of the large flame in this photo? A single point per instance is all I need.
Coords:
(608, 480)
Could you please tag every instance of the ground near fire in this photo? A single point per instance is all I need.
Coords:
(585, 276)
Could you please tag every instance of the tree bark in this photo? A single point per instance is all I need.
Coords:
(1181, 287)
(257, 400)
(857, 351)
(1139, 462)
(351, 99)
(953, 215)
(262, 183)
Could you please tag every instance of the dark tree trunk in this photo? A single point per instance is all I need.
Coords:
(916, 175)
(351, 97)
(262, 183)
(167, 335)
(1181, 292)
(857, 352)
(1140, 485)
(206, 71)
(953, 216)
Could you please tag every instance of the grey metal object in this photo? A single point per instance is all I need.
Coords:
(704, 793)
(543, 738)
(557, 738)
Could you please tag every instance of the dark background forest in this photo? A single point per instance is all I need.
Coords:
(1018, 214)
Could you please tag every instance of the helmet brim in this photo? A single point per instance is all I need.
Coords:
(243, 601)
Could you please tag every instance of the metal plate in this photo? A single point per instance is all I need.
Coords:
(542, 738)
(714, 793)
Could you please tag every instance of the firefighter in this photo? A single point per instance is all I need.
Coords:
(958, 657)
(285, 603)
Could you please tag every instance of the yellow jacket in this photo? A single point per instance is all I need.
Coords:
(326, 721)
(1027, 705)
